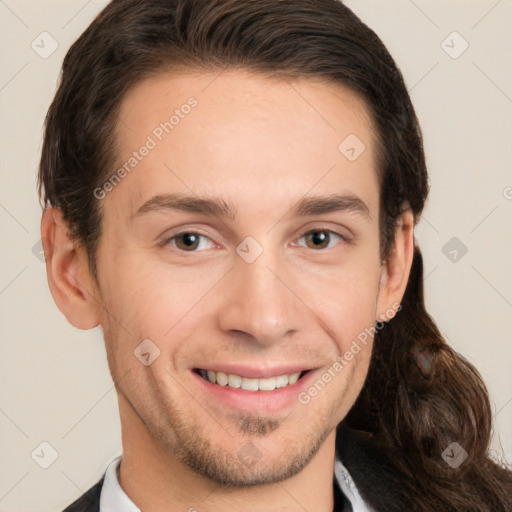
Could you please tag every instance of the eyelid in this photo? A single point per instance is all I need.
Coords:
(166, 239)
(316, 229)
(326, 229)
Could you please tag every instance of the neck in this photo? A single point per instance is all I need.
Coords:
(155, 480)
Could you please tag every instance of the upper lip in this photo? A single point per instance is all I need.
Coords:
(255, 372)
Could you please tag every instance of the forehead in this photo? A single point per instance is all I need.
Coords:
(242, 135)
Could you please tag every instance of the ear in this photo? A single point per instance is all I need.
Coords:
(396, 269)
(71, 284)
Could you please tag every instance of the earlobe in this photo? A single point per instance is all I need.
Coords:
(397, 267)
(71, 283)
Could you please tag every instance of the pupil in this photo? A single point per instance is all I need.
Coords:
(319, 237)
(189, 239)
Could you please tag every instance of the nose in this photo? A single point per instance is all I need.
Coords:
(258, 301)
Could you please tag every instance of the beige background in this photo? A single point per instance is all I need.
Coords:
(55, 386)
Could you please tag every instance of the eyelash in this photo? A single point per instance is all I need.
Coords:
(168, 240)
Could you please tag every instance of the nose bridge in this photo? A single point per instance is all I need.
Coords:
(256, 299)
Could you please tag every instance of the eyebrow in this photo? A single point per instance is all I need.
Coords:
(215, 207)
(218, 207)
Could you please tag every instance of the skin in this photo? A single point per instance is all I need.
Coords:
(260, 144)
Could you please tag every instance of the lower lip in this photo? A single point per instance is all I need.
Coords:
(261, 401)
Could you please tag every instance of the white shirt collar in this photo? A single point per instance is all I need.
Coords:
(114, 499)
(348, 487)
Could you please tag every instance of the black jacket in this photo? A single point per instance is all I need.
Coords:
(89, 502)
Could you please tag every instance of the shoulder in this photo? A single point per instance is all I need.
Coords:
(88, 502)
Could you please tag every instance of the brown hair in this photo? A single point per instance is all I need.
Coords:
(419, 395)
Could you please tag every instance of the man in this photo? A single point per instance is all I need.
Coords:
(231, 189)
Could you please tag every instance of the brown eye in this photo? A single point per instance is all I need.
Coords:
(320, 239)
(187, 241)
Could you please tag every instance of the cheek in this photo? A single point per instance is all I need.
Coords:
(156, 300)
(351, 320)
(345, 300)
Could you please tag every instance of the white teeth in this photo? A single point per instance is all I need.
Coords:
(294, 377)
(249, 384)
(281, 381)
(235, 381)
(267, 384)
(222, 379)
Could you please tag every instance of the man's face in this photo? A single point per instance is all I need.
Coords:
(266, 290)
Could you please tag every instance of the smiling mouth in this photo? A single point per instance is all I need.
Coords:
(237, 382)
